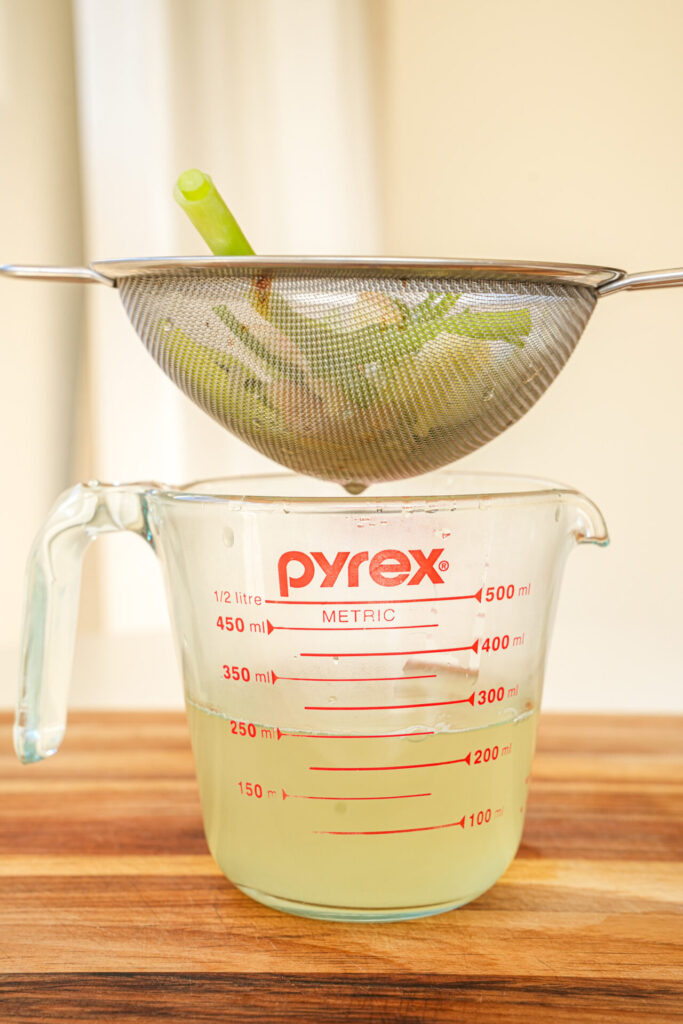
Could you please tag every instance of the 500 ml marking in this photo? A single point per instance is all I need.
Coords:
(506, 591)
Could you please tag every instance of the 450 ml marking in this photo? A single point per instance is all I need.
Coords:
(236, 624)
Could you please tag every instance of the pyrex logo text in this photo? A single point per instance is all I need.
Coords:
(388, 568)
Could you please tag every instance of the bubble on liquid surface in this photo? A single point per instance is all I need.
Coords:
(417, 738)
(228, 537)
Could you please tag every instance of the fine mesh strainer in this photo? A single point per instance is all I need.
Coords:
(359, 370)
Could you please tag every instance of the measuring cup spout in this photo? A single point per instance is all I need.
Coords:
(51, 611)
(587, 523)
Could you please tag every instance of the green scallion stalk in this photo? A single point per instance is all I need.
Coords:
(196, 193)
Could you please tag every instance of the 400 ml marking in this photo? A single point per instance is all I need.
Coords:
(501, 643)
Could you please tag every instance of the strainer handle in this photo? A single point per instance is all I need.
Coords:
(647, 279)
(51, 611)
(78, 275)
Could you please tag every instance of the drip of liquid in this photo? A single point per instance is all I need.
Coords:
(354, 488)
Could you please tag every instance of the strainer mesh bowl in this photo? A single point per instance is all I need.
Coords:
(357, 377)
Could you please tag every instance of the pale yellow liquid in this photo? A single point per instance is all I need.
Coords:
(283, 850)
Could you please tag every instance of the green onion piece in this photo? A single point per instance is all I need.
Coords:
(200, 200)
(223, 386)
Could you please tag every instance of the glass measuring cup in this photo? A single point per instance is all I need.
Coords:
(362, 674)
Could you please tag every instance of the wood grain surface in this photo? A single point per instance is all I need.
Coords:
(112, 909)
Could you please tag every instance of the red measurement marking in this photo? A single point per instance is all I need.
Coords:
(400, 796)
(400, 600)
(390, 707)
(329, 629)
(375, 654)
(351, 679)
(396, 831)
(352, 736)
(391, 767)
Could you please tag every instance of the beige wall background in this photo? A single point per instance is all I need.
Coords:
(443, 128)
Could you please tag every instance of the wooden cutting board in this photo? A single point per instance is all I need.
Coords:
(111, 908)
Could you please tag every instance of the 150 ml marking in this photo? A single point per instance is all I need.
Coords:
(255, 789)
(343, 799)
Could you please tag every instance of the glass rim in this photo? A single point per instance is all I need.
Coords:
(209, 490)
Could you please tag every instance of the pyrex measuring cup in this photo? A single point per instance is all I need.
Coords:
(362, 674)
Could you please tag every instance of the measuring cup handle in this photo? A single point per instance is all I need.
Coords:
(51, 611)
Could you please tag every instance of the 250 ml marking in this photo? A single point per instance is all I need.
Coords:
(253, 731)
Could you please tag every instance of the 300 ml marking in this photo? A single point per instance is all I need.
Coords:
(495, 694)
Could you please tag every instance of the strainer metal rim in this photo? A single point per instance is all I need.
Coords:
(500, 270)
